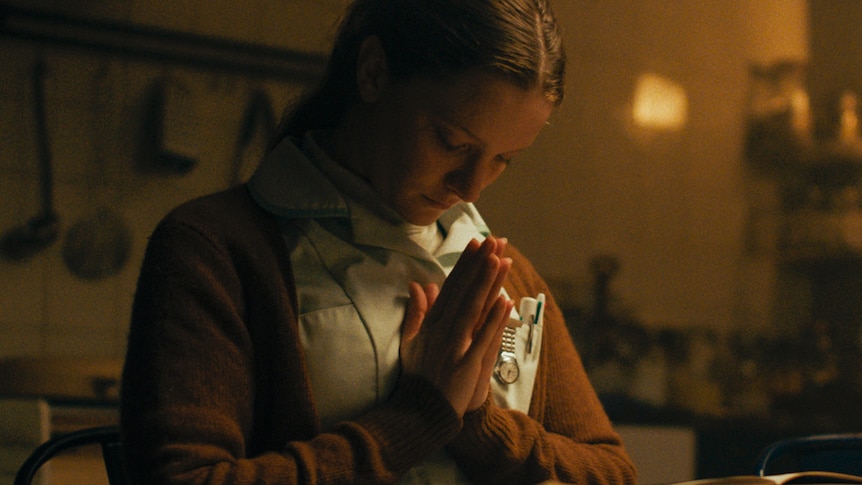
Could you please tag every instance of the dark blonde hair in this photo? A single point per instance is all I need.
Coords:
(518, 39)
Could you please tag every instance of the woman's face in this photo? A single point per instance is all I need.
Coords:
(431, 144)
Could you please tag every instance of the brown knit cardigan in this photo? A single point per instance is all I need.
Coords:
(215, 388)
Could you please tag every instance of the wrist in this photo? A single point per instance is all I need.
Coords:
(478, 412)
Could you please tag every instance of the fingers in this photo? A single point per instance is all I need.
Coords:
(472, 286)
(451, 335)
(494, 292)
(502, 243)
(490, 335)
(421, 298)
(431, 293)
(461, 266)
(489, 338)
(471, 266)
(469, 292)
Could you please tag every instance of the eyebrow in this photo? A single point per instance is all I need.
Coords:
(469, 133)
(447, 121)
(444, 117)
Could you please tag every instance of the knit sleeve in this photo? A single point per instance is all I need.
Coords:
(566, 437)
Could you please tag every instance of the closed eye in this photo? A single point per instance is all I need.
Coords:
(445, 137)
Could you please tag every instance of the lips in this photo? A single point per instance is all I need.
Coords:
(440, 205)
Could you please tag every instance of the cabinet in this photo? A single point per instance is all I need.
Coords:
(811, 164)
(814, 157)
(821, 207)
(661, 453)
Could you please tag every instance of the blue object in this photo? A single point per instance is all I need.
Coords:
(841, 453)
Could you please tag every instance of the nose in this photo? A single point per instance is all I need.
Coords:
(467, 181)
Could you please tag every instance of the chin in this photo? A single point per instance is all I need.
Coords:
(423, 218)
(423, 221)
(422, 212)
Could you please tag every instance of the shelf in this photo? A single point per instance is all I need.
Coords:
(821, 257)
(836, 153)
(830, 164)
(164, 46)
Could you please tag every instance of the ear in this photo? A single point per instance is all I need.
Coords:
(372, 71)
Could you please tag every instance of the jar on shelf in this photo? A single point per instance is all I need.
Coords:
(778, 113)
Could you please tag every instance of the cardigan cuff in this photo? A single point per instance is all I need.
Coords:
(484, 431)
(415, 421)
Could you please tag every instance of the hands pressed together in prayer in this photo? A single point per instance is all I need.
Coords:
(451, 336)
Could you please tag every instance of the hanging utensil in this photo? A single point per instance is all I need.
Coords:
(41, 231)
(98, 245)
(170, 143)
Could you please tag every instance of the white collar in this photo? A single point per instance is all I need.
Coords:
(302, 183)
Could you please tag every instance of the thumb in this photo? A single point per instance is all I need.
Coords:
(417, 307)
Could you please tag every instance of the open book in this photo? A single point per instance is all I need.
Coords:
(784, 479)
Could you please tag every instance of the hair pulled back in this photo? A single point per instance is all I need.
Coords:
(518, 39)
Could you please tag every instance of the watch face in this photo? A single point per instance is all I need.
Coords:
(507, 370)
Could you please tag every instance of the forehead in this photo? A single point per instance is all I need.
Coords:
(487, 105)
(463, 94)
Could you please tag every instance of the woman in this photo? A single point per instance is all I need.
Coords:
(313, 326)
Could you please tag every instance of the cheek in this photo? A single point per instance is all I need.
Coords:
(393, 163)
(403, 177)
(421, 165)
(420, 173)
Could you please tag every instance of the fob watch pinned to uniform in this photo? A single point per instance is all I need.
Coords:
(507, 371)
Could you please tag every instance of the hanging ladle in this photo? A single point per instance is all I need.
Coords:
(98, 245)
(41, 231)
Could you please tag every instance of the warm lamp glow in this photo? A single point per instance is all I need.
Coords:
(659, 103)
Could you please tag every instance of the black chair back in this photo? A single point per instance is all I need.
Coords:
(106, 436)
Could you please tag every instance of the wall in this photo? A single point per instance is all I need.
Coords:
(672, 208)
(836, 58)
(95, 108)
